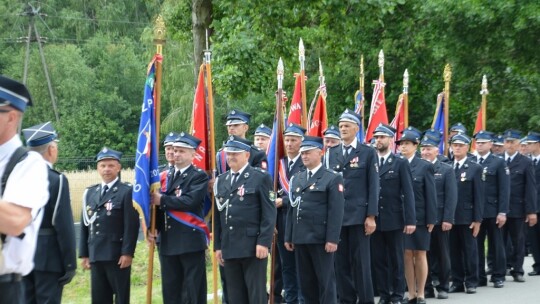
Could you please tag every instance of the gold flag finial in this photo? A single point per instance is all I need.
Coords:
(484, 90)
(381, 59)
(159, 29)
(447, 73)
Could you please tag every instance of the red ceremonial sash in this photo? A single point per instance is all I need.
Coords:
(191, 220)
(283, 180)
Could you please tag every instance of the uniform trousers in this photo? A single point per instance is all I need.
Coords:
(534, 237)
(42, 287)
(316, 273)
(464, 256)
(246, 280)
(108, 279)
(494, 236)
(353, 266)
(439, 258)
(388, 264)
(288, 264)
(516, 230)
(12, 293)
(184, 278)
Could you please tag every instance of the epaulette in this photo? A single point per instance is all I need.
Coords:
(92, 186)
(259, 169)
(256, 148)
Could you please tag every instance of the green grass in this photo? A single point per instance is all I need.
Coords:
(78, 291)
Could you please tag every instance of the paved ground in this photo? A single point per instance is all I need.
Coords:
(512, 292)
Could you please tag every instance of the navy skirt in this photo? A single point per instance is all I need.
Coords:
(419, 240)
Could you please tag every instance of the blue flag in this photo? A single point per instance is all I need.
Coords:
(438, 120)
(146, 158)
(358, 105)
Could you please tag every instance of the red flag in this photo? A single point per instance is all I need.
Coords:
(199, 123)
(377, 113)
(295, 111)
(398, 122)
(319, 121)
(478, 126)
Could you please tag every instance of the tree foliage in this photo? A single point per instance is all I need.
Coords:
(97, 53)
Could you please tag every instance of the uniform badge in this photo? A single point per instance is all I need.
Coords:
(298, 189)
(114, 189)
(389, 160)
(484, 174)
(507, 170)
(178, 191)
(272, 195)
(376, 167)
(246, 175)
(463, 176)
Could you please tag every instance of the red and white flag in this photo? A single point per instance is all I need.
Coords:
(200, 124)
(377, 113)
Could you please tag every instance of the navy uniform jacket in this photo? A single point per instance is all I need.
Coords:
(114, 235)
(257, 158)
(250, 217)
(55, 250)
(522, 187)
(537, 176)
(360, 175)
(396, 201)
(186, 193)
(297, 167)
(445, 183)
(318, 208)
(470, 203)
(496, 186)
(425, 195)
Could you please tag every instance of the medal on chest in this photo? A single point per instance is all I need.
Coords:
(241, 192)
(109, 206)
(178, 191)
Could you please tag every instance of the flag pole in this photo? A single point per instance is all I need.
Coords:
(212, 152)
(301, 58)
(362, 88)
(447, 79)
(484, 92)
(159, 41)
(278, 130)
(406, 98)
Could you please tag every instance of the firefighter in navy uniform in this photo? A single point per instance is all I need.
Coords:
(289, 165)
(244, 225)
(522, 201)
(55, 258)
(397, 217)
(446, 189)
(358, 164)
(468, 217)
(109, 232)
(182, 232)
(261, 137)
(533, 142)
(237, 125)
(314, 220)
(425, 197)
(497, 194)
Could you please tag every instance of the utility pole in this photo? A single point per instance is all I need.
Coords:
(31, 13)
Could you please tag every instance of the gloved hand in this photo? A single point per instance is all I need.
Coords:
(66, 278)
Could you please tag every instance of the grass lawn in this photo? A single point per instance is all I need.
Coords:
(78, 291)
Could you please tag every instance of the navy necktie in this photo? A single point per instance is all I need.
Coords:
(105, 189)
(234, 177)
